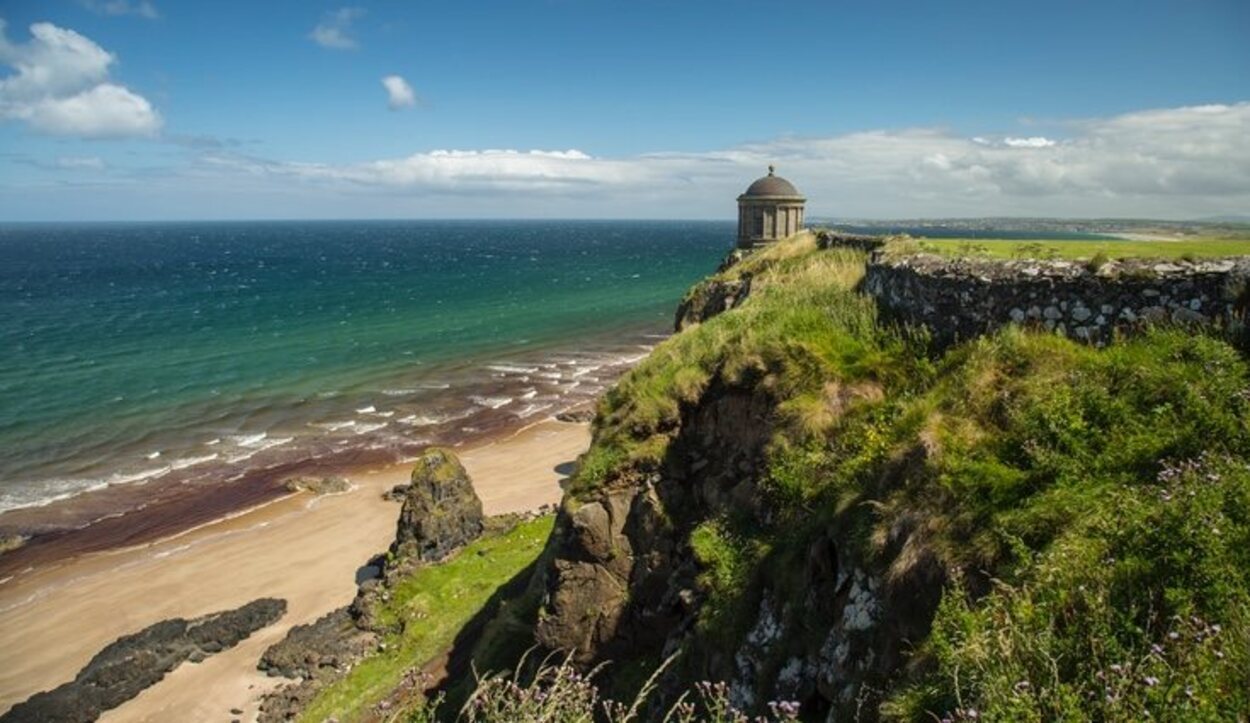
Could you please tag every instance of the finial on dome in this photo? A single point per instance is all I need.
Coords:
(771, 168)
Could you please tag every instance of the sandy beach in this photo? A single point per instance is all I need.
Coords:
(301, 548)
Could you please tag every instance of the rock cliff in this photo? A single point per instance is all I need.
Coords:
(793, 496)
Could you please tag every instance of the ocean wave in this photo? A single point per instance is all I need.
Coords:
(532, 409)
(367, 410)
(45, 492)
(185, 462)
(332, 426)
(528, 394)
(249, 440)
(367, 428)
(511, 369)
(429, 420)
(257, 448)
(490, 402)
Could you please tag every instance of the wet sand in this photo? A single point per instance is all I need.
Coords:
(304, 549)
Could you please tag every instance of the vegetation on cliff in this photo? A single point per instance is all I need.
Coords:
(1081, 515)
(425, 611)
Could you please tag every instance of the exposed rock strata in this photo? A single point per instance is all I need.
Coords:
(127, 666)
(622, 582)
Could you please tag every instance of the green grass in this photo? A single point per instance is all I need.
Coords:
(1091, 507)
(803, 325)
(1008, 249)
(430, 607)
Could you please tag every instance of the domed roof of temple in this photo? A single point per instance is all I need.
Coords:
(772, 185)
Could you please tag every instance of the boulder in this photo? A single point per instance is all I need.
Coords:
(441, 511)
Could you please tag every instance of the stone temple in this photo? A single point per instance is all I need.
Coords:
(771, 209)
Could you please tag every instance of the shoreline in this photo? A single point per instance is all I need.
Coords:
(488, 401)
(304, 548)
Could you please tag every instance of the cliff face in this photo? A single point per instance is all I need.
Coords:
(625, 579)
(811, 504)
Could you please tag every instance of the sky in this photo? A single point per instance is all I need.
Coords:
(175, 109)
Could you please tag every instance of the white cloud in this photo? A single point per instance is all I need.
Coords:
(74, 163)
(142, 8)
(335, 29)
(1030, 142)
(398, 93)
(1171, 163)
(60, 86)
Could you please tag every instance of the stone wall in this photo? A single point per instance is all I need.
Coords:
(962, 298)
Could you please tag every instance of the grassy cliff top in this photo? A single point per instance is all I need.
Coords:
(1186, 248)
(1089, 506)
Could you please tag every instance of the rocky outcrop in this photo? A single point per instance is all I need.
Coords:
(959, 299)
(127, 666)
(332, 642)
(711, 297)
(441, 511)
(318, 485)
(623, 580)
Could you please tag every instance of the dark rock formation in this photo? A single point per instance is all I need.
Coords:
(577, 416)
(318, 485)
(332, 641)
(711, 297)
(127, 666)
(441, 511)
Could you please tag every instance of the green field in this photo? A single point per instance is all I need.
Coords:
(431, 606)
(1203, 247)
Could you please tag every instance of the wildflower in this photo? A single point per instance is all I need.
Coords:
(1117, 668)
(1174, 635)
(1156, 649)
(1151, 681)
(1216, 628)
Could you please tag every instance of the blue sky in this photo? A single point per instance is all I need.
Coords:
(155, 109)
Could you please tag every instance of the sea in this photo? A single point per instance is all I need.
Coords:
(195, 366)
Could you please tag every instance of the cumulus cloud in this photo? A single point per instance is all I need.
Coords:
(1178, 163)
(399, 94)
(60, 85)
(335, 29)
(1030, 142)
(142, 8)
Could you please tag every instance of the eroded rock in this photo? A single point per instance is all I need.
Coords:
(134, 662)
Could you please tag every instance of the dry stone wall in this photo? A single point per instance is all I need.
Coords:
(962, 298)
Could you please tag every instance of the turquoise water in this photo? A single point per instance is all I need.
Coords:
(200, 352)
